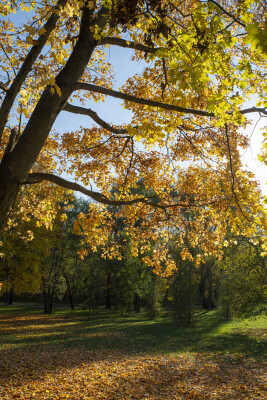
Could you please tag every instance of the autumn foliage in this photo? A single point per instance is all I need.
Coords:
(203, 60)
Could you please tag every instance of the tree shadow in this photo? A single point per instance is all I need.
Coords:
(111, 331)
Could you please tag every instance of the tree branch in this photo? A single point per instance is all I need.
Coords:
(31, 57)
(38, 177)
(128, 44)
(12, 141)
(233, 174)
(87, 111)
(227, 13)
(138, 100)
(3, 87)
(158, 104)
(261, 110)
(50, 104)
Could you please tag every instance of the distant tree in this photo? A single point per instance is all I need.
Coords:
(208, 284)
(243, 278)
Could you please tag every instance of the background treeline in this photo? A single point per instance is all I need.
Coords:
(39, 263)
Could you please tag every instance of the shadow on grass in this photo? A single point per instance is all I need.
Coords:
(102, 330)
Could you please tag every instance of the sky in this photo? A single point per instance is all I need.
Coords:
(250, 155)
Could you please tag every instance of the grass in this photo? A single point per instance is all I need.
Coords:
(102, 329)
(71, 339)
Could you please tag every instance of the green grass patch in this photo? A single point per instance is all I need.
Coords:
(103, 330)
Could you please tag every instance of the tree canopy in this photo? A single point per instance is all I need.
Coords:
(204, 61)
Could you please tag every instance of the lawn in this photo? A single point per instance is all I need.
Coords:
(102, 355)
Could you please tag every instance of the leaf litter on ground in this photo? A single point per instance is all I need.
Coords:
(47, 370)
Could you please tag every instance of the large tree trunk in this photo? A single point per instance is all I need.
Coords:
(16, 165)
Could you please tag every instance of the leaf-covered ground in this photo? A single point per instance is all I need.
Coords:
(100, 356)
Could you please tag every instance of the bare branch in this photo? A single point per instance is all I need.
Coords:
(261, 110)
(163, 85)
(152, 103)
(138, 100)
(87, 111)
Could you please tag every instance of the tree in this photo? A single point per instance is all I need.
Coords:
(53, 283)
(208, 285)
(23, 242)
(20, 262)
(203, 60)
(242, 277)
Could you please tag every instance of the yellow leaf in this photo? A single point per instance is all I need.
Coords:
(14, 62)
(58, 90)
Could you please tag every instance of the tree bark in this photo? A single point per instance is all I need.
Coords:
(26, 67)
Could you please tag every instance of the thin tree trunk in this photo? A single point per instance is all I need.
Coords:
(71, 300)
(48, 302)
(69, 291)
(137, 303)
(108, 295)
(189, 295)
(8, 297)
(227, 305)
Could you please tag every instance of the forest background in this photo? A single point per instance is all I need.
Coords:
(201, 235)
